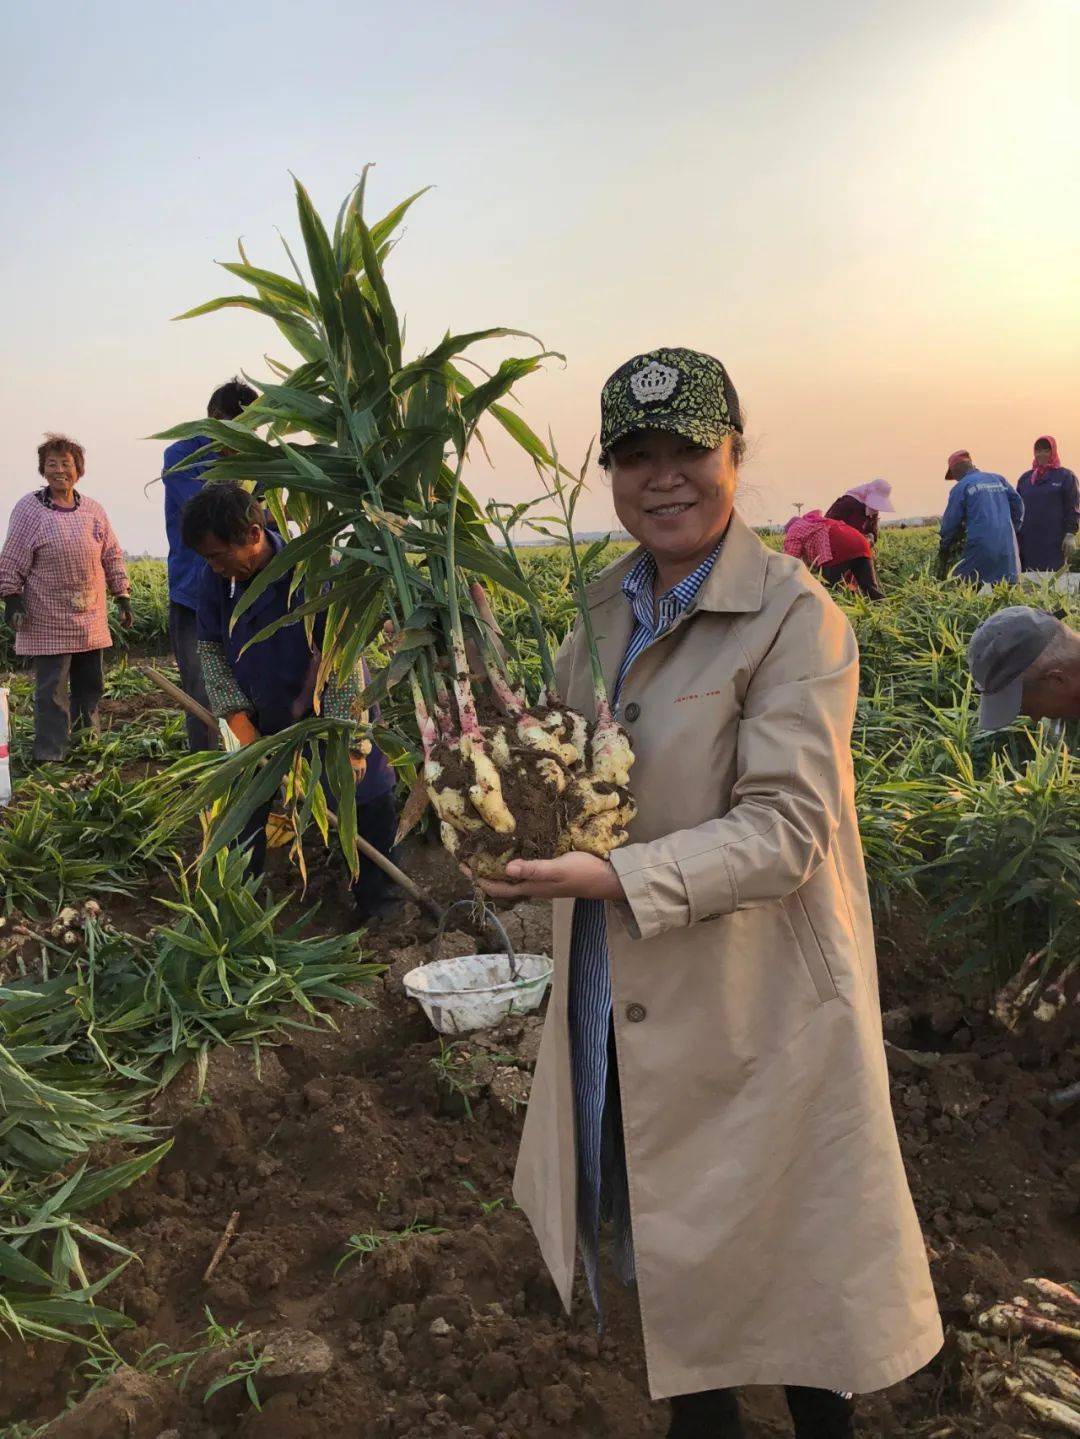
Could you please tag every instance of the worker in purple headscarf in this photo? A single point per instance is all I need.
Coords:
(860, 506)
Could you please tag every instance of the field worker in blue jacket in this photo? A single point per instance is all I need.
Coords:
(981, 520)
(271, 685)
(1051, 510)
(184, 565)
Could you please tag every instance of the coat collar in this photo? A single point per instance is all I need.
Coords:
(736, 584)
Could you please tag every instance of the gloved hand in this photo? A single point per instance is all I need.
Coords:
(15, 611)
(1068, 547)
(242, 727)
(358, 759)
(123, 604)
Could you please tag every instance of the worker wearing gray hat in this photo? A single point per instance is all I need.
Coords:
(1025, 662)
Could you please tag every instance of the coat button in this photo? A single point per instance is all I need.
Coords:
(632, 710)
(635, 1013)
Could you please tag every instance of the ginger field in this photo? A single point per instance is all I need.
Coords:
(178, 1055)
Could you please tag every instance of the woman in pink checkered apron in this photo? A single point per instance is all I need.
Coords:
(59, 560)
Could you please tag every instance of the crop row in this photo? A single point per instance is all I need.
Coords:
(981, 826)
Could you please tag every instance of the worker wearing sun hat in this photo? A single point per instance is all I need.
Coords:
(860, 507)
(1025, 661)
(712, 1077)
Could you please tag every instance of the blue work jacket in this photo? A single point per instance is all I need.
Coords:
(184, 565)
(278, 674)
(988, 511)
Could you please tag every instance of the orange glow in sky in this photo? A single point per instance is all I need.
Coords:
(870, 212)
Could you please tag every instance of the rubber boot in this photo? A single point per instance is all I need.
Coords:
(712, 1414)
(820, 1413)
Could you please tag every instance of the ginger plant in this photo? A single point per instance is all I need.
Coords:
(361, 457)
(541, 780)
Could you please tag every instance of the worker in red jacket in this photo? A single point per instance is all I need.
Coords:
(835, 551)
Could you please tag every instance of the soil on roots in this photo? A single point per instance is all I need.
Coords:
(539, 815)
(454, 1329)
(545, 797)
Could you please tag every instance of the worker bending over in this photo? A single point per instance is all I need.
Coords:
(270, 685)
(838, 553)
(1025, 661)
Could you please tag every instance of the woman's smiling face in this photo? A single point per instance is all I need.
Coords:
(674, 496)
(60, 471)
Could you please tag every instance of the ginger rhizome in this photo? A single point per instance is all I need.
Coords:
(539, 779)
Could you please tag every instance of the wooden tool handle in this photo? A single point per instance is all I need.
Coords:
(175, 693)
(388, 867)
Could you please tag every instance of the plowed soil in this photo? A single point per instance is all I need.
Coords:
(454, 1329)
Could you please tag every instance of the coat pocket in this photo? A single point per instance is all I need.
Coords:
(813, 956)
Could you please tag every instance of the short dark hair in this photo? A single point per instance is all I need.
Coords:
(61, 445)
(223, 509)
(229, 399)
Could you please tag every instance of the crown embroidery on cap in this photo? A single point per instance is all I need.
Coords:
(654, 382)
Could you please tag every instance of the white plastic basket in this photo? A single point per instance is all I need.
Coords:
(478, 991)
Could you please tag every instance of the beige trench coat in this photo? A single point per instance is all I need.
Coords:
(774, 1235)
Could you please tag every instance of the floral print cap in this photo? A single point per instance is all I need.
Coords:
(683, 391)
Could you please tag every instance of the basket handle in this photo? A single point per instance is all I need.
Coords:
(488, 914)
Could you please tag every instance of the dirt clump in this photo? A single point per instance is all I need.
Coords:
(387, 1285)
(129, 1405)
(232, 1076)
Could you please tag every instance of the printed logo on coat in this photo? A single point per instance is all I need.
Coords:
(705, 695)
(654, 382)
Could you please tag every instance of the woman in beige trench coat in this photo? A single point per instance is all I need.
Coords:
(712, 1074)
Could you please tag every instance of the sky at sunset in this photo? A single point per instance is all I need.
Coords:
(869, 211)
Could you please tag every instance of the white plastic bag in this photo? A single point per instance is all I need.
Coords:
(5, 763)
(228, 739)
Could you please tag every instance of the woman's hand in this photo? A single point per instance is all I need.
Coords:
(127, 618)
(572, 876)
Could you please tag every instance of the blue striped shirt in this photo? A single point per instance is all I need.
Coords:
(602, 1187)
